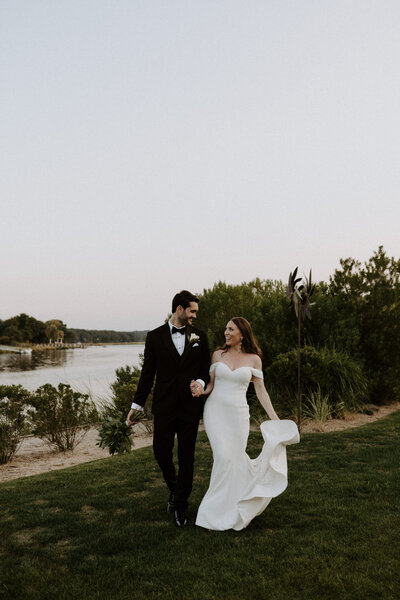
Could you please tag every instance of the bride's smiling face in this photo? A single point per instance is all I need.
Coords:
(233, 335)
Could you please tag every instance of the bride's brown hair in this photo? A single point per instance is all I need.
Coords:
(249, 342)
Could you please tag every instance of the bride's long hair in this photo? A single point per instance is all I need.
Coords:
(249, 342)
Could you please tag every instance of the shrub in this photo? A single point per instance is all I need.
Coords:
(115, 434)
(124, 389)
(13, 401)
(60, 416)
(332, 371)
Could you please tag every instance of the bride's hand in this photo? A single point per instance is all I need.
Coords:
(196, 388)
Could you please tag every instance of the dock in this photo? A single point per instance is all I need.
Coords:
(16, 349)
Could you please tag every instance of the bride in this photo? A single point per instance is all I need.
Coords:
(240, 487)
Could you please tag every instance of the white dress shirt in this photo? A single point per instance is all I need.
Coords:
(179, 343)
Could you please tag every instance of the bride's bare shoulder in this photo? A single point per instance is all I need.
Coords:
(216, 356)
(256, 360)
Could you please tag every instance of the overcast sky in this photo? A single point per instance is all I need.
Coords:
(149, 146)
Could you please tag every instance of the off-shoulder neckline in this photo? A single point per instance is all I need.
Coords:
(237, 368)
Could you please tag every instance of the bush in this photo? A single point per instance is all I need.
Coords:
(124, 390)
(60, 416)
(331, 371)
(115, 434)
(13, 401)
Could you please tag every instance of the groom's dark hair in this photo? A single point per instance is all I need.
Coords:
(184, 298)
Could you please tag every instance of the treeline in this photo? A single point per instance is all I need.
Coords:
(92, 336)
(351, 349)
(24, 329)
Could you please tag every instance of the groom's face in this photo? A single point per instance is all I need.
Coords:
(186, 315)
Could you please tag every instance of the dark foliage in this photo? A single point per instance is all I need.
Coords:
(356, 315)
(13, 402)
(24, 329)
(60, 415)
(115, 435)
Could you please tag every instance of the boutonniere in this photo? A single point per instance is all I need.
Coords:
(193, 338)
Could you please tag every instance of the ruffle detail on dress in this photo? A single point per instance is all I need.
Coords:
(269, 469)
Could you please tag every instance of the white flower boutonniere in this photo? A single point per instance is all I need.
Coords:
(193, 338)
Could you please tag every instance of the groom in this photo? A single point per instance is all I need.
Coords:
(178, 355)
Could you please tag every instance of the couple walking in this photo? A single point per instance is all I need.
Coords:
(177, 354)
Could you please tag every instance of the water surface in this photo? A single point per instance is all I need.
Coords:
(90, 369)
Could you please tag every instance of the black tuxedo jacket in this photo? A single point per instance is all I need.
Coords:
(173, 372)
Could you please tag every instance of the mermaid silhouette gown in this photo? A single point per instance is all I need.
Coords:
(240, 487)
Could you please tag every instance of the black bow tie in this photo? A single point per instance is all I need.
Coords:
(182, 330)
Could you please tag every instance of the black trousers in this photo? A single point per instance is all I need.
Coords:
(165, 428)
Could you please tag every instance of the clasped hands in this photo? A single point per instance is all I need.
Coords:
(196, 388)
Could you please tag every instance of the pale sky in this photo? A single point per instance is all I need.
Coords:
(149, 146)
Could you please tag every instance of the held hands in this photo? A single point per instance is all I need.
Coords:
(196, 388)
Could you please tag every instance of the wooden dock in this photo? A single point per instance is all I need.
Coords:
(16, 349)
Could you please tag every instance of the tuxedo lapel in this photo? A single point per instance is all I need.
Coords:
(187, 343)
(167, 339)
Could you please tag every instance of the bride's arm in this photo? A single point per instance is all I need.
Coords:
(210, 384)
(264, 398)
(262, 393)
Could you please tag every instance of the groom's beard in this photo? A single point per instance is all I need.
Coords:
(186, 321)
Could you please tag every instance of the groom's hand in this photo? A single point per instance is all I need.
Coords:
(131, 418)
(196, 388)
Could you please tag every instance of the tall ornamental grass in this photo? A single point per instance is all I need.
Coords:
(317, 406)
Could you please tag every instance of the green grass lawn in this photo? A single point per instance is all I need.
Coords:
(100, 530)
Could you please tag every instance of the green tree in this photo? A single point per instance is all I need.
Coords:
(55, 330)
(333, 325)
(22, 328)
(370, 296)
(261, 302)
(13, 334)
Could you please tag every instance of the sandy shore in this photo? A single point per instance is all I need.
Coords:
(34, 456)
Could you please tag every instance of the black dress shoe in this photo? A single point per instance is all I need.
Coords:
(171, 502)
(180, 517)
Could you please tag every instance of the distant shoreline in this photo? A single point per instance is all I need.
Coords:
(116, 343)
(77, 346)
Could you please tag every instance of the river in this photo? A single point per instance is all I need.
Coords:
(89, 369)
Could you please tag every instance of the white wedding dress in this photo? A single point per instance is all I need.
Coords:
(240, 487)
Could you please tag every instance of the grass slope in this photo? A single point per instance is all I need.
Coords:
(100, 530)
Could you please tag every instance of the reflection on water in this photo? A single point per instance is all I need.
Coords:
(88, 370)
(27, 362)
